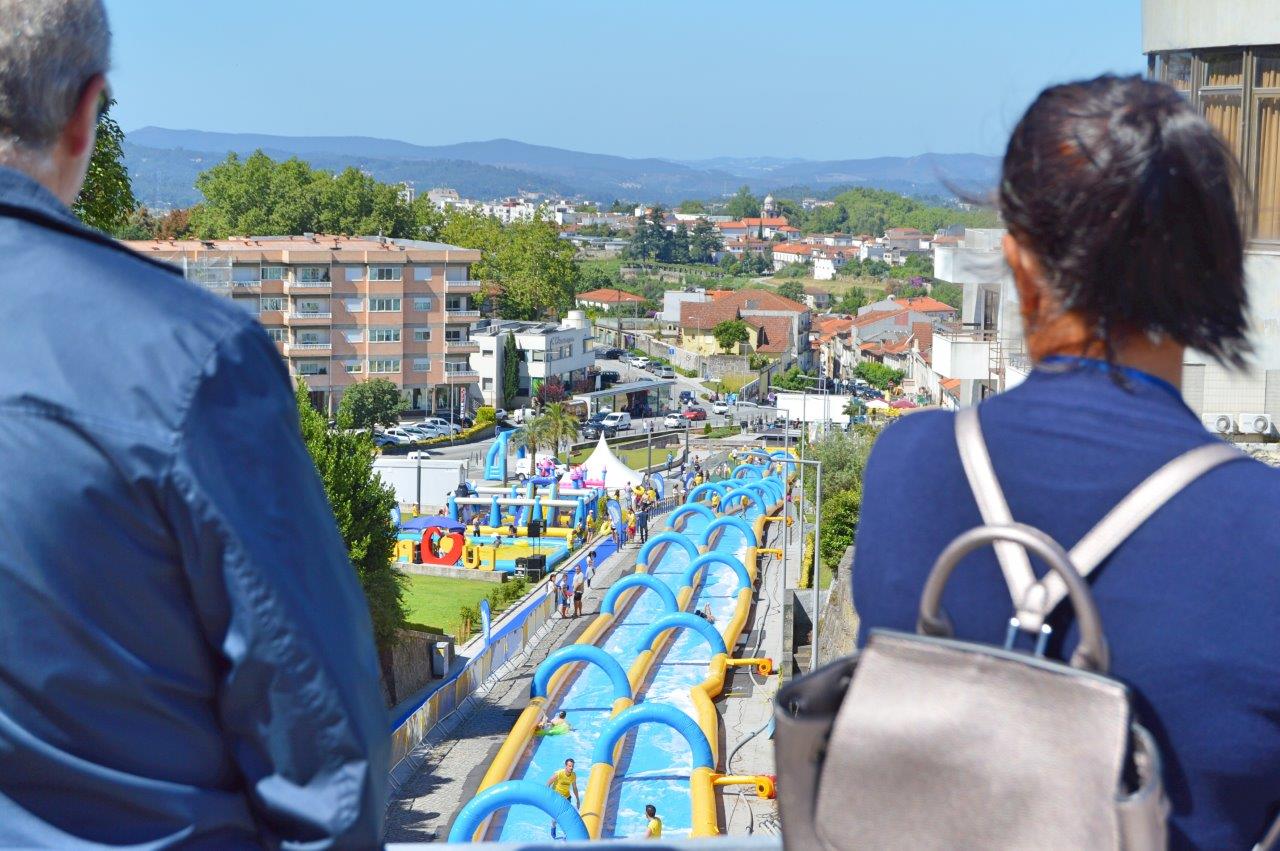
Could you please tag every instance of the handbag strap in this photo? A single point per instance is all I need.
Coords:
(1033, 599)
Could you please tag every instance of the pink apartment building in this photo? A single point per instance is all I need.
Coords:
(342, 309)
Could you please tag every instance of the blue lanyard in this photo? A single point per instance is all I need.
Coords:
(1106, 368)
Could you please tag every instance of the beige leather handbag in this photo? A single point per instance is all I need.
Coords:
(923, 741)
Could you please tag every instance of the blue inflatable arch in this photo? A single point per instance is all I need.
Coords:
(681, 620)
(751, 471)
(588, 653)
(759, 486)
(666, 538)
(744, 493)
(756, 453)
(638, 580)
(687, 509)
(702, 561)
(514, 792)
(696, 493)
(655, 713)
(729, 520)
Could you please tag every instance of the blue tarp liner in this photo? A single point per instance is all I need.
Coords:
(422, 523)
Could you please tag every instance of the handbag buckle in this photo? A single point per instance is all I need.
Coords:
(1042, 636)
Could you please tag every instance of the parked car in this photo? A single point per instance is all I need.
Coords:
(618, 421)
(420, 431)
(674, 421)
(695, 413)
(593, 430)
(380, 439)
(442, 423)
(663, 370)
(610, 376)
(640, 362)
(721, 407)
(686, 396)
(400, 436)
(610, 354)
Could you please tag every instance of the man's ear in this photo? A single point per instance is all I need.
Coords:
(78, 134)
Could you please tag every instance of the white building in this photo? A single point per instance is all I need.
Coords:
(1234, 42)
(546, 350)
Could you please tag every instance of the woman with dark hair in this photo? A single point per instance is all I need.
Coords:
(1125, 250)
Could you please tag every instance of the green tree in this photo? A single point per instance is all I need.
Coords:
(510, 370)
(844, 462)
(556, 427)
(878, 375)
(949, 293)
(730, 333)
(704, 242)
(532, 266)
(691, 205)
(106, 200)
(680, 244)
(743, 204)
(362, 506)
(370, 403)
(852, 301)
(793, 379)
(793, 290)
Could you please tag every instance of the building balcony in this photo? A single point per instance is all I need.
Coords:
(308, 286)
(462, 286)
(308, 349)
(461, 347)
(963, 352)
(461, 376)
(452, 314)
(309, 317)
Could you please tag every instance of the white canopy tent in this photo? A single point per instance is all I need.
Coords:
(603, 466)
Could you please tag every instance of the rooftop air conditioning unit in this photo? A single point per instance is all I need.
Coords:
(1219, 423)
(1256, 424)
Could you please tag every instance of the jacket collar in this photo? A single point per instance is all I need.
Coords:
(19, 190)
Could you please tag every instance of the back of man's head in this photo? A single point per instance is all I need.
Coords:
(49, 51)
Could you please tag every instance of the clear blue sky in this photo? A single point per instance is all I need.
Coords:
(670, 78)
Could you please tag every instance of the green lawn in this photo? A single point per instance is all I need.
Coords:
(435, 600)
(636, 459)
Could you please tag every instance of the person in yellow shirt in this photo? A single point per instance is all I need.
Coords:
(563, 782)
(654, 830)
(715, 501)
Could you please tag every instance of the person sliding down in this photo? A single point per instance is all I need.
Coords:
(557, 726)
(654, 829)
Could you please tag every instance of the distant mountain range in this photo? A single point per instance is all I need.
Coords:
(164, 163)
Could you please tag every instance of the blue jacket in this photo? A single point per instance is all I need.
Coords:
(185, 653)
(1190, 603)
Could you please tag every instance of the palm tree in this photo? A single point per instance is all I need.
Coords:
(558, 426)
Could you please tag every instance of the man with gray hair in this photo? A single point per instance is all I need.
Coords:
(186, 656)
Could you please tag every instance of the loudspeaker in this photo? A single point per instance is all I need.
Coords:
(535, 529)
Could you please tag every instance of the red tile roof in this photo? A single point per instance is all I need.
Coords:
(703, 316)
(762, 300)
(775, 333)
(873, 316)
(768, 222)
(609, 296)
(925, 304)
(793, 248)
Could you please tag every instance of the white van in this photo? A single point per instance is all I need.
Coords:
(618, 420)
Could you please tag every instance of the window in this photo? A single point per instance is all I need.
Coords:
(313, 274)
(1238, 92)
(422, 335)
(384, 273)
(353, 367)
(276, 334)
(1266, 133)
(313, 368)
(354, 273)
(311, 305)
(456, 366)
(273, 273)
(384, 335)
(423, 304)
(384, 365)
(384, 305)
(422, 273)
(422, 364)
(354, 305)
(455, 303)
(455, 273)
(353, 335)
(536, 356)
(487, 383)
(267, 303)
(453, 335)
(245, 274)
